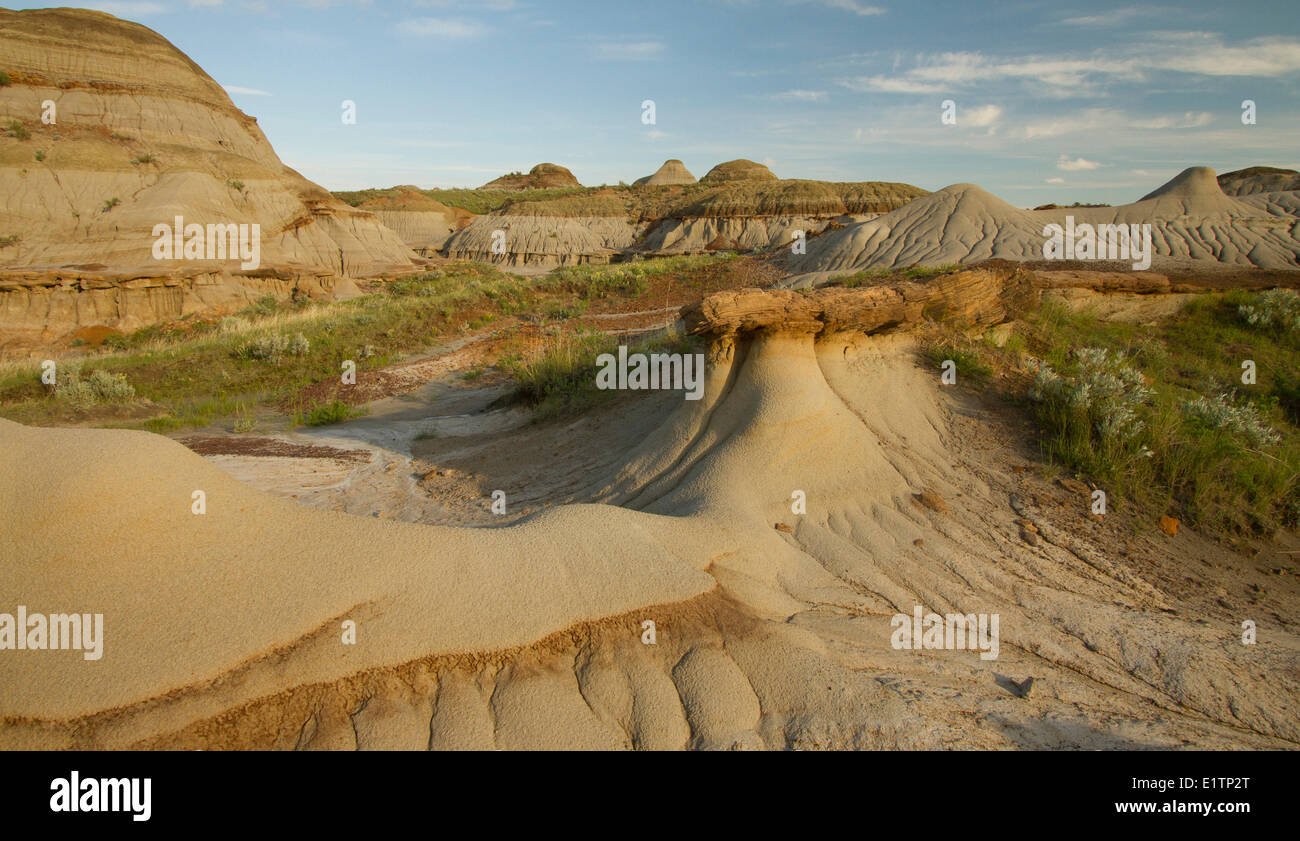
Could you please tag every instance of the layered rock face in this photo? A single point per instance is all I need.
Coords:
(978, 297)
(542, 242)
(424, 224)
(121, 132)
(540, 177)
(605, 225)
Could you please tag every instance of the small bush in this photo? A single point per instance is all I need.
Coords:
(12, 239)
(1277, 309)
(1223, 412)
(327, 413)
(109, 204)
(146, 158)
(263, 306)
(235, 185)
(272, 347)
(100, 387)
(234, 324)
(40, 155)
(18, 130)
(1092, 417)
(5, 81)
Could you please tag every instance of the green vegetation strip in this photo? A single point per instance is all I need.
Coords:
(1158, 415)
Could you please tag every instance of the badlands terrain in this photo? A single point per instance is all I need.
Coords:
(470, 546)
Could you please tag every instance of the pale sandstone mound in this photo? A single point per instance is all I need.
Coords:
(230, 621)
(1190, 217)
(144, 135)
(542, 176)
(738, 170)
(672, 172)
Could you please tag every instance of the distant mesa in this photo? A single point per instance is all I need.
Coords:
(738, 170)
(540, 177)
(672, 172)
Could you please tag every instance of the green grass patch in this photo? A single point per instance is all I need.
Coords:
(1159, 415)
(561, 379)
(590, 282)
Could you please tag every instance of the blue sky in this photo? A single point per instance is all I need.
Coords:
(1054, 102)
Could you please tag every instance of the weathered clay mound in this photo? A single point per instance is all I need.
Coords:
(541, 241)
(1259, 179)
(738, 170)
(672, 172)
(1190, 218)
(423, 223)
(144, 136)
(540, 177)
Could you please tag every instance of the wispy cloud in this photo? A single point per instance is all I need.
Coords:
(984, 115)
(245, 91)
(854, 6)
(1067, 164)
(631, 51)
(473, 5)
(1054, 180)
(449, 29)
(885, 84)
(1194, 53)
(1190, 119)
(799, 96)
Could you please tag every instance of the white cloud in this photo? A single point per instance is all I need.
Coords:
(478, 5)
(245, 91)
(855, 6)
(1195, 53)
(1066, 164)
(883, 84)
(445, 28)
(800, 96)
(1054, 180)
(985, 115)
(1190, 119)
(634, 51)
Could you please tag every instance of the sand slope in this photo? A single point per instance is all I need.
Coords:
(223, 629)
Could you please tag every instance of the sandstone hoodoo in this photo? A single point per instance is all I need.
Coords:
(121, 133)
(540, 177)
(672, 172)
(738, 170)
